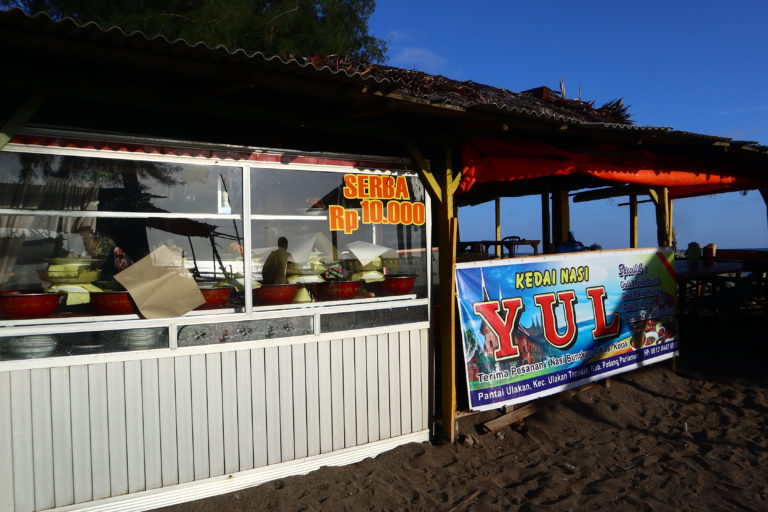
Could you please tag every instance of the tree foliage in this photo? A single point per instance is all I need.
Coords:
(284, 27)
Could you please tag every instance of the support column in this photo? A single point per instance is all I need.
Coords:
(561, 217)
(633, 236)
(546, 227)
(498, 226)
(447, 230)
(660, 196)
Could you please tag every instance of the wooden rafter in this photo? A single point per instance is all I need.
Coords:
(20, 118)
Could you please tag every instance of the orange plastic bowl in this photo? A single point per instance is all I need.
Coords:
(28, 305)
(393, 284)
(113, 303)
(273, 294)
(215, 297)
(336, 290)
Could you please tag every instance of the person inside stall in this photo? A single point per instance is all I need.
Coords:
(115, 258)
(276, 266)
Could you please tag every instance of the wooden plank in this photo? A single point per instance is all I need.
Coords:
(424, 171)
(361, 393)
(6, 444)
(406, 413)
(199, 383)
(395, 424)
(229, 411)
(425, 366)
(244, 409)
(272, 372)
(633, 224)
(118, 450)
(81, 434)
(325, 395)
(348, 369)
(23, 449)
(313, 399)
(372, 387)
(287, 447)
(61, 419)
(259, 397)
(215, 414)
(415, 362)
(184, 419)
(168, 446)
(299, 401)
(42, 438)
(382, 347)
(337, 393)
(97, 394)
(134, 426)
(523, 412)
(150, 400)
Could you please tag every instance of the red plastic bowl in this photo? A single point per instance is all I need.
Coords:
(393, 284)
(272, 294)
(215, 297)
(28, 305)
(336, 290)
(113, 303)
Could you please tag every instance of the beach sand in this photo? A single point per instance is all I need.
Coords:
(655, 439)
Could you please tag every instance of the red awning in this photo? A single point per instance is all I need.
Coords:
(488, 161)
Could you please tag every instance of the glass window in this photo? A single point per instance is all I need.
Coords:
(336, 235)
(52, 182)
(69, 224)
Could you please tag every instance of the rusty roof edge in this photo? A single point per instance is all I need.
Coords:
(138, 35)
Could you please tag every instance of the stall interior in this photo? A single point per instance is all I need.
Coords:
(103, 238)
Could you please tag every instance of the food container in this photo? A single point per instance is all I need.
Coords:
(113, 303)
(64, 275)
(336, 290)
(394, 284)
(272, 294)
(28, 305)
(215, 297)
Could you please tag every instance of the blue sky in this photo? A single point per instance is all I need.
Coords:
(692, 65)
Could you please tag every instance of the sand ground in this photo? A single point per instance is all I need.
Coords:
(693, 439)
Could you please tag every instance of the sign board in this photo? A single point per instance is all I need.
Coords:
(536, 326)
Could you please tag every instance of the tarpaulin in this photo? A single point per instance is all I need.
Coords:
(488, 161)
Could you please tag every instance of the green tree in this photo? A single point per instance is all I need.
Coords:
(283, 27)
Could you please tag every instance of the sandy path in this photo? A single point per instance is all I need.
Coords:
(655, 440)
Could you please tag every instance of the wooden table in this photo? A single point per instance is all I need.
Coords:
(686, 271)
(508, 246)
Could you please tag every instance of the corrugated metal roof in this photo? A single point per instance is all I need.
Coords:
(433, 90)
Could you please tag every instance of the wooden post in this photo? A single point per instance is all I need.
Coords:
(561, 223)
(447, 229)
(498, 226)
(546, 228)
(633, 237)
(663, 224)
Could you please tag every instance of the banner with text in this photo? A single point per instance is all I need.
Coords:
(536, 326)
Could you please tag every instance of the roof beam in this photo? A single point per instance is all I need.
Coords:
(20, 117)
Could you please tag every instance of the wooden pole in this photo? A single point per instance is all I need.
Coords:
(662, 217)
(633, 236)
(561, 223)
(447, 232)
(546, 228)
(498, 226)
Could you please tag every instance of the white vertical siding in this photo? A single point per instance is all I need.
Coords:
(6, 444)
(42, 438)
(75, 434)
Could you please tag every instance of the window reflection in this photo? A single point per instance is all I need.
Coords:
(333, 240)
